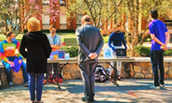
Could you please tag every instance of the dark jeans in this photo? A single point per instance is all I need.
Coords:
(157, 61)
(88, 75)
(50, 66)
(8, 70)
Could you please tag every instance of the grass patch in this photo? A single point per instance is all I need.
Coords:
(62, 35)
(105, 38)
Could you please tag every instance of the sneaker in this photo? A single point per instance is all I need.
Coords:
(25, 85)
(11, 83)
(115, 83)
(158, 87)
(85, 99)
(60, 80)
(155, 87)
(49, 80)
(162, 85)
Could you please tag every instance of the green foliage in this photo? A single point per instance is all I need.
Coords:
(163, 6)
(99, 10)
(145, 51)
(105, 39)
(147, 40)
(168, 52)
(11, 12)
(72, 50)
(142, 50)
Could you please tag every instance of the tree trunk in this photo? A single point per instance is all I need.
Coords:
(6, 26)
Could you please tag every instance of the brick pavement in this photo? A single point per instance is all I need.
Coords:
(129, 91)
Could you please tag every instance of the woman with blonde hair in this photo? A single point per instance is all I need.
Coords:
(36, 49)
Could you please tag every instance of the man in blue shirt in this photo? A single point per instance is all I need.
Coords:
(55, 42)
(160, 38)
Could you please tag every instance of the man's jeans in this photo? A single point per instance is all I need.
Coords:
(50, 66)
(8, 70)
(157, 61)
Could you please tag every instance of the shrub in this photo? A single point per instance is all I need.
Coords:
(168, 52)
(142, 50)
(72, 50)
(145, 51)
(147, 40)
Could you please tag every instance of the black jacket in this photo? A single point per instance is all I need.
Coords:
(89, 40)
(36, 49)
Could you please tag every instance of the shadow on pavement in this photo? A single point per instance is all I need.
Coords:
(107, 102)
(72, 88)
(14, 88)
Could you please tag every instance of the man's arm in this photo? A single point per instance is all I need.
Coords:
(110, 42)
(153, 37)
(80, 42)
(156, 39)
(167, 37)
(57, 46)
(2, 54)
(19, 55)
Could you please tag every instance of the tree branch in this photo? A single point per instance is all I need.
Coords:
(116, 9)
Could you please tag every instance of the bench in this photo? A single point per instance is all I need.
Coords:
(70, 41)
(16, 77)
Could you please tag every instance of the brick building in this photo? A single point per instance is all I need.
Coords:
(63, 22)
(60, 22)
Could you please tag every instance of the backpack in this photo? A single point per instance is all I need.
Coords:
(100, 75)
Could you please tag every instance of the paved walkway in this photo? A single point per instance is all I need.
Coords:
(129, 91)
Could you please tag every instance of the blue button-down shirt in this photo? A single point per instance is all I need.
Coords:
(54, 40)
